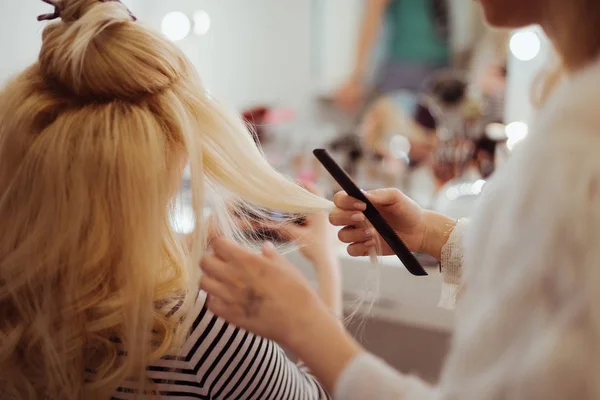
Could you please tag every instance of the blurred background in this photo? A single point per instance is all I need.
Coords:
(414, 94)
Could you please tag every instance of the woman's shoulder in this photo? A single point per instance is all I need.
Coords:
(211, 357)
(220, 360)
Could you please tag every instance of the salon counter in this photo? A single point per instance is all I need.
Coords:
(389, 291)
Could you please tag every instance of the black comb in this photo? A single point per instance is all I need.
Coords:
(374, 217)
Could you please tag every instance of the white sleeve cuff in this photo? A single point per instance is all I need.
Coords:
(451, 263)
(449, 296)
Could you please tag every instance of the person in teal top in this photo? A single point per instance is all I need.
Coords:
(413, 44)
(413, 35)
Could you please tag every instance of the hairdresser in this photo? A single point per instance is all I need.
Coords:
(528, 324)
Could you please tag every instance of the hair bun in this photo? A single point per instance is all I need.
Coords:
(99, 52)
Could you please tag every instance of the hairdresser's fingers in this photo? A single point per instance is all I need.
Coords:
(361, 249)
(229, 251)
(352, 234)
(346, 218)
(345, 202)
(217, 268)
(216, 288)
(385, 197)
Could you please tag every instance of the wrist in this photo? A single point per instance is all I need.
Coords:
(324, 335)
(298, 335)
(438, 228)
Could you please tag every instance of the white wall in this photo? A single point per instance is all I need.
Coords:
(520, 81)
(20, 34)
(338, 26)
(256, 51)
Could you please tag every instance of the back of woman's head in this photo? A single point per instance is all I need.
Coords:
(93, 140)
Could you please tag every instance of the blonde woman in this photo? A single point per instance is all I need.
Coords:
(97, 297)
(528, 325)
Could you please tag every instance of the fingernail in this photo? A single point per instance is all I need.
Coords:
(358, 217)
(360, 206)
(268, 245)
(369, 233)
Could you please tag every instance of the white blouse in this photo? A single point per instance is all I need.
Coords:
(528, 321)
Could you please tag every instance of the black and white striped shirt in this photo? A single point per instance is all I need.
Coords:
(221, 361)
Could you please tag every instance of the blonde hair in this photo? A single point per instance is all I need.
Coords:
(93, 137)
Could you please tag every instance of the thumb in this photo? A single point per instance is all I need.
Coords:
(385, 197)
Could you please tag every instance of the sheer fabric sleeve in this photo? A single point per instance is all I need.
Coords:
(451, 265)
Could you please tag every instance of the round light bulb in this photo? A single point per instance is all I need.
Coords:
(202, 22)
(525, 45)
(176, 26)
(496, 131)
(516, 132)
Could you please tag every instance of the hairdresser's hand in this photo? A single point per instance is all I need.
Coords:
(266, 295)
(421, 230)
(263, 293)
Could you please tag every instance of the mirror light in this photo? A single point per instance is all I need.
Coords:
(465, 189)
(176, 26)
(516, 132)
(202, 22)
(496, 131)
(525, 45)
